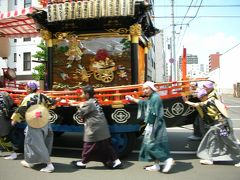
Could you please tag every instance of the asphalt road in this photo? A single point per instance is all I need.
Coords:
(187, 167)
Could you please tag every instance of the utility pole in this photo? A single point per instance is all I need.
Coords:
(171, 60)
(174, 74)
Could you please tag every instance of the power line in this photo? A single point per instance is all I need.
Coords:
(196, 12)
(180, 41)
(230, 49)
(182, 24)
(200, 5)
(190, 17)
(187, 11)
(211, 6)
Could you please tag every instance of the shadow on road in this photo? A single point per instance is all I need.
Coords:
(181, 167)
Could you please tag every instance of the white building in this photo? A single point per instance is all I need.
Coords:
(228, 73)
(197, 71)
(193, 67)
(156, 65)
(21, 49)
(160, 74)
(3, 8)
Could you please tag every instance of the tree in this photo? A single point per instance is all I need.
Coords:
(41, 56)
(39, 72)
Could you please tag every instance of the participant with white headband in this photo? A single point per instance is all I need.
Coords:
(155, 146)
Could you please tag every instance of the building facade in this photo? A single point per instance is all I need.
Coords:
(214, 61)
(160, 74)
(194, 68)
(156, 70)
(21, 49)
(227, 74)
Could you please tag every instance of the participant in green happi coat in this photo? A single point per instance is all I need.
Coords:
(155, 146)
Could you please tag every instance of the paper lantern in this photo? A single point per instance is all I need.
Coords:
(4, 47)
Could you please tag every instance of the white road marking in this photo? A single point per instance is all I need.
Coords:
(187, 128)
(183, 152)
(174, 152)
(134, 151)
(233, 106)
(235, 119)
(67, 148)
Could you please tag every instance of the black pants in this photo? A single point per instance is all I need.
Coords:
(17, 138)
(14, 141)
(200, 127)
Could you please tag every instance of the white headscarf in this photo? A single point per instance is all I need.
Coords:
(151, 85)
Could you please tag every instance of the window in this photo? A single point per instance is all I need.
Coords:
(27, 3)
(15, 2)
(15, 40)
(26, 61)
(15, 57)
(26, 39)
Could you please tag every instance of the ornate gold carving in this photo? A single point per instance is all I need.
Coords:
(84, 74)
(74, 52)
(61, 35)
(103, 70)
(146, 50)
(136, 30)
(55, 41)
(120, 30)
(50, 43)
(104, 75)
(46, 35)
(149, 45)
(122, 74)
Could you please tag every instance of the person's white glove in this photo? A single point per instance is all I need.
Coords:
(128, 97)
(13, 123)
(148, 129)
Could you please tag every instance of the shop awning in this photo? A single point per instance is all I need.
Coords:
(18, 23)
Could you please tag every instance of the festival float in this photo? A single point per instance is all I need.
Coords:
(99, 42)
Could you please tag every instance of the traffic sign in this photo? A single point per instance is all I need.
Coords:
(171, 60)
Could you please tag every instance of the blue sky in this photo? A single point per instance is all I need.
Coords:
(204, 35)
